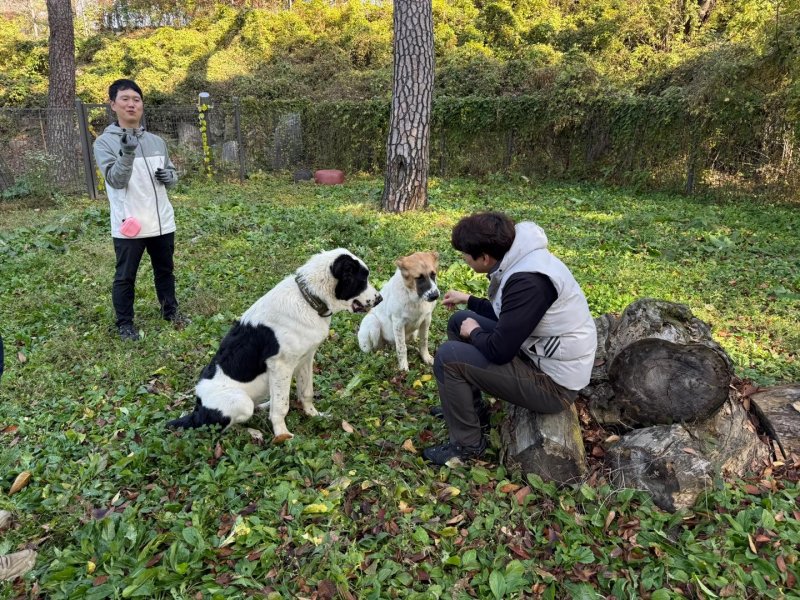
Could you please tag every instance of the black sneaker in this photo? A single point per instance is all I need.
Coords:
(450, 453)
(178, 320)
(127, 332)
(483, 414)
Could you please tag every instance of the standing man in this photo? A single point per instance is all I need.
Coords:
(531, 343)
(137, 171)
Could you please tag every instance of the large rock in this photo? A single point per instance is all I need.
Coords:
(287, 142)
(189, 136)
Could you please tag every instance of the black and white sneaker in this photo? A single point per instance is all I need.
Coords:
(127, 332)
(452, 454)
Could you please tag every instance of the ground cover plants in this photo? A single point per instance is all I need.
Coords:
(118, 507)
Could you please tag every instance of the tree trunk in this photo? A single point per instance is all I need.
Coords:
(779, 409)
(408, 147)
(61, 91)
(550, 446)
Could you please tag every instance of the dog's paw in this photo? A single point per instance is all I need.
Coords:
(312, 411)
(426, 358)
(403, 365)
(263, 406)
(279, 439)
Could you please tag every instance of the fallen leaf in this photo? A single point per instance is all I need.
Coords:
(752, 490)
(611, 439)
(752, 544)
(521, 494)
(218, 451)
(781, 563)
(456, 520)
(316, 509)
(21, 357)
(408, 446)
(691, 451)
(426, 377)
(404, 507)
(9, 429)
(609, 519)
(347, 427)
(90, 567)
(519, 551)
(20, 482)
(326, 590)
(256, 435)
(509, 488)
(99, 580)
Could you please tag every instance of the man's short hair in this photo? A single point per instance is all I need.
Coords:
(489, 233)
(121, 85)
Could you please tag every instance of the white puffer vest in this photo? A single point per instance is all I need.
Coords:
(564, 343)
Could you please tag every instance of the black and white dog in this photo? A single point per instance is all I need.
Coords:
(275, 340)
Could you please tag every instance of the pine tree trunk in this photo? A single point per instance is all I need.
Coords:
(61, 91)
(408, 146)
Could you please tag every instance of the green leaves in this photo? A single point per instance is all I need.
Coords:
(163, 514)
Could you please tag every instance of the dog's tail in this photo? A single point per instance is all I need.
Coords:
(369, 333)
(200, 416)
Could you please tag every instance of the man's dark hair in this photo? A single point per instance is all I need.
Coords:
(489, 233)
(121, 85)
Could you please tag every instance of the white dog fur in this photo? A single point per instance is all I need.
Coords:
(275, 340)
(409, 298)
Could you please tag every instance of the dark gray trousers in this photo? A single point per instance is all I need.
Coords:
(462, 373)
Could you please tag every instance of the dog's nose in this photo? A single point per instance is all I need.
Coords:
(378, 300)
(433, 295)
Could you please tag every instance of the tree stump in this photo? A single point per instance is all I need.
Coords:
(676, 463)
(550, 446)
(659, 382)
(779, 410)
(658, 365)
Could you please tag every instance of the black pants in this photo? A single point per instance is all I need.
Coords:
(129, 255)
(462, 373)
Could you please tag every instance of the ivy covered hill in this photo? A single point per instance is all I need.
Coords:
(670, 95)
(728, 55)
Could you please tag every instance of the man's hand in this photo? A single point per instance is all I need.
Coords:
(467, 326)
(129, 143)
(454, 297)
(163, 176)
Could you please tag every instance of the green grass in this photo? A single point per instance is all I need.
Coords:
(118, 507)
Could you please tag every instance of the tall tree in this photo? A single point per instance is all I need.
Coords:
(408, 147)
(61, 89)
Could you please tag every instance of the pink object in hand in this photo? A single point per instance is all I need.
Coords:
(130, 227)
(329, 177)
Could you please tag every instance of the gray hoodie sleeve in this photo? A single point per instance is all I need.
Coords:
(115, 166)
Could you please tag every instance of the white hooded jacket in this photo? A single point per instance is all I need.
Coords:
(131, 186)
(564, 342)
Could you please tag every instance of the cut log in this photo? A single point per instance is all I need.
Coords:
(656, 364)
(658, 382)
(550, 446)
(648, 318)
(675, 463)
(779, 410)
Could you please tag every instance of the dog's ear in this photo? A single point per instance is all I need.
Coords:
(343, 266)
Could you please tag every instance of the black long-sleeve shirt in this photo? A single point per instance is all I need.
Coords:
(526, 297)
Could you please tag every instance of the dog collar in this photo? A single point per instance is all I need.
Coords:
(317, 304)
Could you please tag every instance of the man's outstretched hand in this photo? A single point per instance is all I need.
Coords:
(453, 298)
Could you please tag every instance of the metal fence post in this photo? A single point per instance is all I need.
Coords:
(237, 121)
(86, 150)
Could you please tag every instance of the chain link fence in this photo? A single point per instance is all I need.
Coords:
(234, 140)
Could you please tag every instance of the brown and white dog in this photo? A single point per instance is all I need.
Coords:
(408, 301)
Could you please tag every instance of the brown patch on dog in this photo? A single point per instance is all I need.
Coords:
(414, 265)
(279, 439)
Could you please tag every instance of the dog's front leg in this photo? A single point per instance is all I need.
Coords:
(304, 380)
(399, 331)
(423, 341)
(280, 382)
